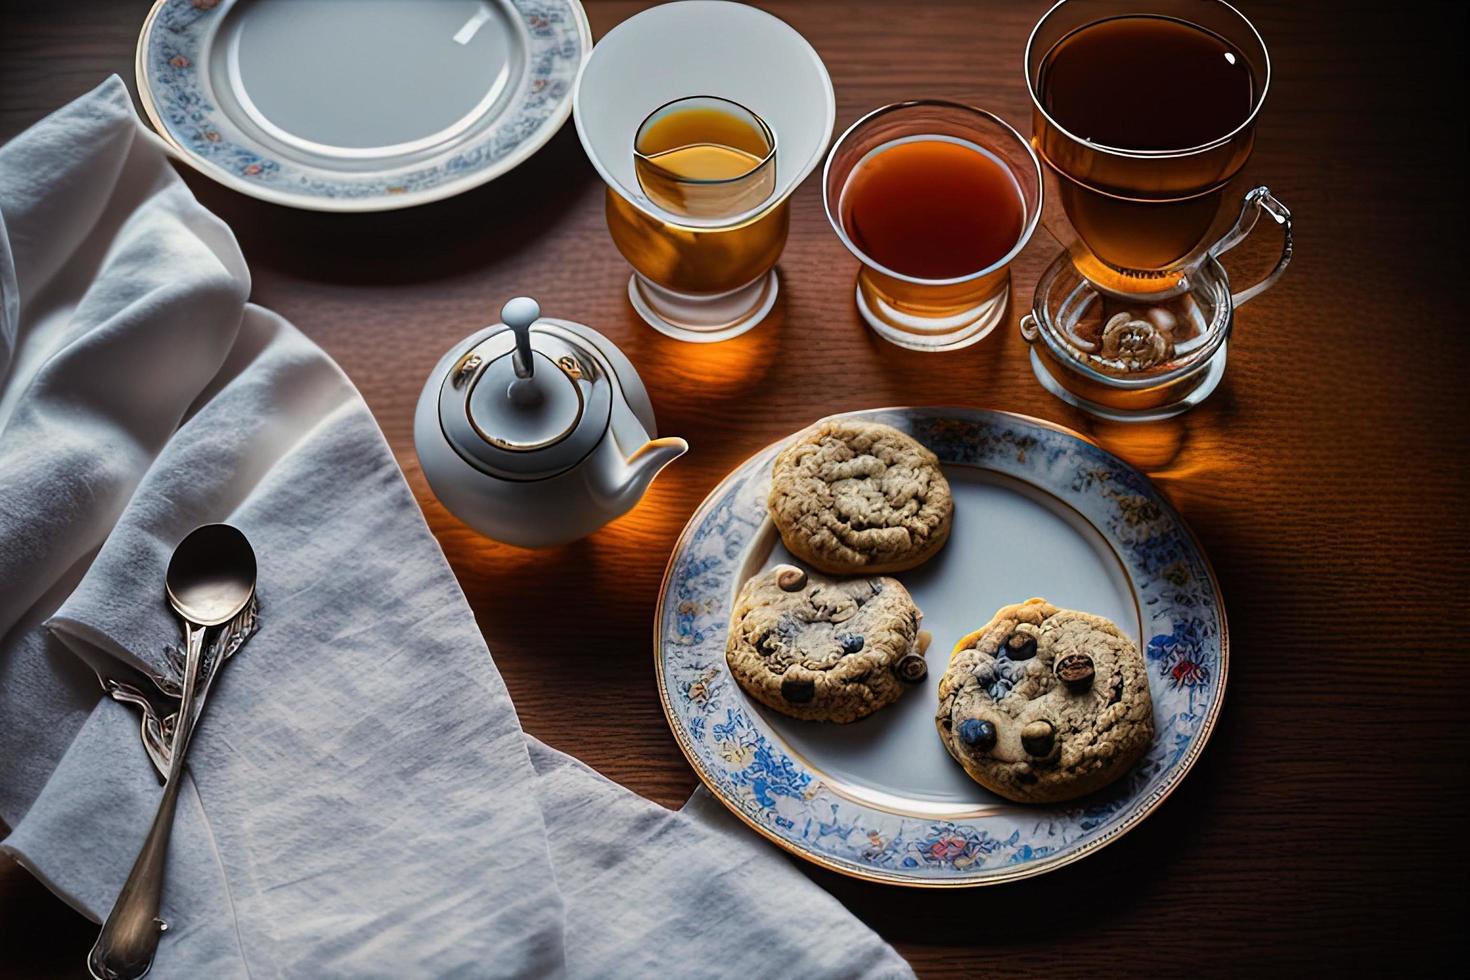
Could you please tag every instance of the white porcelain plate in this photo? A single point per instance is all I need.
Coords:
(1040, 511)
(359, 105)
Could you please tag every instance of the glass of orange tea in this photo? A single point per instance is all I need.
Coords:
(704, 255)
(1144, 112)
(702, 119)
(935, 199)
(705, 157)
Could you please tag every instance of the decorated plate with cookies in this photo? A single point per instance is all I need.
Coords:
(777, 672)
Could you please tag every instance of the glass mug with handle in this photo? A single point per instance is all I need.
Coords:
(1144, 115)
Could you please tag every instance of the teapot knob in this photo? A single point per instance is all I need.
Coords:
(519, 314)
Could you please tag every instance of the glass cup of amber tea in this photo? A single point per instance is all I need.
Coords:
(704, 255)
(1144, 113)
(935, 199)
(702, 119)
(1145, 117)
(705, 157)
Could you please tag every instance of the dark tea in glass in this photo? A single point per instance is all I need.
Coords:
(1144, 117)
(933, 208)
(935, 199)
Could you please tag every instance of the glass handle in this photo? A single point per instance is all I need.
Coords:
(1030, 329)
(1258, 201)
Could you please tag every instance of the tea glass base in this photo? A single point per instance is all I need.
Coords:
(1214, 370)
(935, 334)
(703, 319)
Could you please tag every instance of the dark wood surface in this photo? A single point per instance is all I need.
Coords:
(1322, 829)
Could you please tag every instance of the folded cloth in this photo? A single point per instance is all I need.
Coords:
(360, 798)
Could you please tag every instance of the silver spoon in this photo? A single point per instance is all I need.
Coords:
(211, 578)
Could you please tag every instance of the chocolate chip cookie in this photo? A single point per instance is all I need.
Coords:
(858, 497)
(1045, 704)
(825, 650)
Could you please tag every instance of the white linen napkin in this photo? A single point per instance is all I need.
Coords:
(361, 800)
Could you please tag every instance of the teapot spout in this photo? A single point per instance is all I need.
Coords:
(650, 459)
(628, 485)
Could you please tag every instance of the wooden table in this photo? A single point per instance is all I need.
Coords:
(1321, 830)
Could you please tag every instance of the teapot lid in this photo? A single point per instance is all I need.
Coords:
(524, 403)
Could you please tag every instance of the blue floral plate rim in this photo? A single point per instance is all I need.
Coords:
(244, 168)
(1194, 656)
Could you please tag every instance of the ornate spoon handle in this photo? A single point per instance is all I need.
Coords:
(124, 950)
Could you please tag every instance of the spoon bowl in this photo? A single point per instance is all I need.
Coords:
(211, 575)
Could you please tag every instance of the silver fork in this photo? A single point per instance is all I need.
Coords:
(128, 685)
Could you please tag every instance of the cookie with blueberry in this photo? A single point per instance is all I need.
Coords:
(1045, 704)
(823, 649)
(852, 497)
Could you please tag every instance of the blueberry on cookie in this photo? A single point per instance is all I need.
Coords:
(853, 497)
(825, 650)
(1045, 704)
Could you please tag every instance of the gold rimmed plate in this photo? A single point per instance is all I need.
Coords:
(1039, 511)
(358, 105)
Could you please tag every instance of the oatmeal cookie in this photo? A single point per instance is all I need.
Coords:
(856, 497)
(822, 649)
(1045, 704)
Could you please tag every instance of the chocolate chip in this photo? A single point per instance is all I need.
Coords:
(1038, 737)
(851, 642)
(1075, 671)
(977, 733)
(911, 668)
(791, 580)
(1019, 646)
(798, 690)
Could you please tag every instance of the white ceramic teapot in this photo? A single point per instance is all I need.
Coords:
(537, 431)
